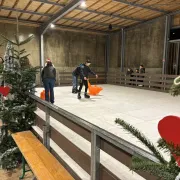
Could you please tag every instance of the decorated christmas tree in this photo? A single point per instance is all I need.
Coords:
(175, 88)
(167, 170)
(17, 109)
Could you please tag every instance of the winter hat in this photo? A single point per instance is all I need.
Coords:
(48, 60)
(88, 61)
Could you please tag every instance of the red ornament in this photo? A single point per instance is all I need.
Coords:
(4, 90)
(169, 129)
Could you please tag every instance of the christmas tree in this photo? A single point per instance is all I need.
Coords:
(175, 88)
(17, 110)
(167, 170)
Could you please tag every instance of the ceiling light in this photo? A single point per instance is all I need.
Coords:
(52, 25)
(83, 4)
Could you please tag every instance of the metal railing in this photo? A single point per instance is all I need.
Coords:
(99, 138)
(156, 82)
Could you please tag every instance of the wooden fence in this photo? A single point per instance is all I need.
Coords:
(65, 78)
(156, 82)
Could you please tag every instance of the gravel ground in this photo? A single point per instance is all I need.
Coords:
(14, 174)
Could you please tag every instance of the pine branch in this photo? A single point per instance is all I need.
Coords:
(8, 40)
(175, 89)
(17, 39)
(26, 40)
(159, 170)
(24, 56)
(142, 138)
(169, 146)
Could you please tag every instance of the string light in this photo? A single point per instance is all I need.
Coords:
(52, 25)
(83, 4)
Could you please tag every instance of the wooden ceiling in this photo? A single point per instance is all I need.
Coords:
(97, 15)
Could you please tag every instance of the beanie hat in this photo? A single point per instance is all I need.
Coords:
(88, 61)
(48, 60)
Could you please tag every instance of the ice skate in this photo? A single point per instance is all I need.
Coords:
(86, 95)
(79, 95)
(74, 91)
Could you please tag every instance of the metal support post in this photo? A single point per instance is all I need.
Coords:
(108, 38)
(122, 49)
(166, 43)
(41, 41)
(177, 58)
(95, 155)
(46, 130)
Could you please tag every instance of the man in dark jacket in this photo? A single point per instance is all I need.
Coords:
(48, 78)
(75, 75)
(141, 69)
(84, 73)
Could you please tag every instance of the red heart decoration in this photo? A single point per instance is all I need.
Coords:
(169, 129)
(4, 90)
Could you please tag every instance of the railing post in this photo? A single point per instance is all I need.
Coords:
(95, 155)
(41, 44)
(125, 79)
(46, 129)
(122, 49)
(166, 43)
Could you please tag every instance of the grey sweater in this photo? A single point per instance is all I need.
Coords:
(48, 72)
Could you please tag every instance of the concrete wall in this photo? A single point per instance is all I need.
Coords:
(143, 45)
(32, 47)
(68, 49)
(115, 53)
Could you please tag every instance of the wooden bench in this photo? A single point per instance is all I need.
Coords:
(42, 163)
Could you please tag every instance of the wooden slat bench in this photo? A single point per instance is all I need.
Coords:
(42, 163)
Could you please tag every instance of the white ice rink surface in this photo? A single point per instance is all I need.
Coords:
(141, 108)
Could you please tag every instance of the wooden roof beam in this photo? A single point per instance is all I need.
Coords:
(91, 22)
(141, 6)
(68, 8)
(50, 15)
(92, 11)
(67, 28)
(24, 11)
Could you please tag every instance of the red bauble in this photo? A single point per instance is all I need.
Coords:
(169, 129)
(4, 90)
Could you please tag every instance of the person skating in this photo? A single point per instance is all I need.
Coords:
(75, 75)
(48, 76)
(84, 73)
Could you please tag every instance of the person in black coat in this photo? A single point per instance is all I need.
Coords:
(84, 74)
(141, 69)
(48, 76)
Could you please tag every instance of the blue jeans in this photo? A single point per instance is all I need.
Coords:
(75, 82)
(49, 87)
